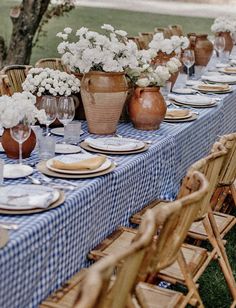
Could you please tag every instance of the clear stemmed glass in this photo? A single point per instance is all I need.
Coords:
(66, 110)
(20, 133)
(219, 45)
(49, 104)
(188, 59)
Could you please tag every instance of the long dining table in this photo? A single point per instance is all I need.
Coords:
(49, 247)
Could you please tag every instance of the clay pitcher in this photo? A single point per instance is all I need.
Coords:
(147, 108)
(228, 40)
(202, 47)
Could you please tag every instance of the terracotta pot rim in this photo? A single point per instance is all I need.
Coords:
(104, 73)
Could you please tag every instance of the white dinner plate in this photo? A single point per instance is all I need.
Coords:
(24, 197)
(184, 91)
(63, 148)
(196, 100)
(115, 144)
(59, 131)
(211, 89)
(15, 171)
(76, 158)
(192, 82)
(220, 79)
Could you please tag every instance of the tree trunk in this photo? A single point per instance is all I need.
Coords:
(25, 19)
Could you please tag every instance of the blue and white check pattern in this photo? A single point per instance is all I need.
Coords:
(50, 247)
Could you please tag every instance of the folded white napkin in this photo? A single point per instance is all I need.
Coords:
(115, 143)
(18, 197)
(193, 99)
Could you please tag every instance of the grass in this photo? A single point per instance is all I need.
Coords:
(93, 18)
(213, 289)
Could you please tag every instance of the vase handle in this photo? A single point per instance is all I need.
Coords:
(138, 92)
(87, 83)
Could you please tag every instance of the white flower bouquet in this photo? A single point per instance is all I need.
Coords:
(147, 74)
(109, 52)
(46, 81)
(174, 44)
(224, 24)
(18, 107)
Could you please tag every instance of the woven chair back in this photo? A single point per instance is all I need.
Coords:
(16, 76)
(146, 38)
(94, 290)
(176, 30)
(53, 63)
(166, 32)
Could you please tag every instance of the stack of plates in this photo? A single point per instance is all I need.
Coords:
(179, 115)
(59, 131)
(24, 199)
(193, 100)
(214, 88)
(114, 145)
(76, 172)
(220, 79)
(184, 91)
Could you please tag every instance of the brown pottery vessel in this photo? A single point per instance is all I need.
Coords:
(202, 47)
(147, 108)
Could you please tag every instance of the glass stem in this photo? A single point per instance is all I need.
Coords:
(20, 153)
(187, 72)
(64, 140)
(47, 129)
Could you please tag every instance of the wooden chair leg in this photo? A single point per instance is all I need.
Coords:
(188, 279)
(233, 192)
(216, 242)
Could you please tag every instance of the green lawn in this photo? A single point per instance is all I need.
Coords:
(132, 22)
(212, 285)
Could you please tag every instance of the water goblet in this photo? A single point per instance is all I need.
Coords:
(49, 104)
(219, 45)
(66, 110)
(188, 59)
(20, 133)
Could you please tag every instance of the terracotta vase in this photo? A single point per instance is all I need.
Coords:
(228, 40)
(147, 108)
(161, 59)
(11, 147)
(103, 95)
(202, 47)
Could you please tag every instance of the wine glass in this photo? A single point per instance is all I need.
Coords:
(20, 133)
(49, 104)
(188, 59)
(219, 45)
(66, 110)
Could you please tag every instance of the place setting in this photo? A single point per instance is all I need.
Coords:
(197, 101)
(76, 166)
(21, 199)
(208, 88)
(114, 145)
(180, 115)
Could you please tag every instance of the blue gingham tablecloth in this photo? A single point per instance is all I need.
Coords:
(50, 247)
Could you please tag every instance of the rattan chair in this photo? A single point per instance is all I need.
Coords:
(16, 76)
(146, 38)
(138, 41)
(53, 63)
(166, 32)
(166, 253)
(176, 30)
(140, 258)
(209, 225)
(5, 88)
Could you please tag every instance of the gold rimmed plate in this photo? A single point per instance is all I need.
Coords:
(177, 114)
(196, 106)
(42, 167)
(55, 204)
(87, 147)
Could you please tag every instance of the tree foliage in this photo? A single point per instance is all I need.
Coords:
(28, 19)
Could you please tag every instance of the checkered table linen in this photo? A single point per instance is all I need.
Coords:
(50, 247)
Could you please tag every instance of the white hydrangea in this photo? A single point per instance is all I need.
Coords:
(17, 107)
(41, 81)
(173, 44)
(224, 24)
(112, 52)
